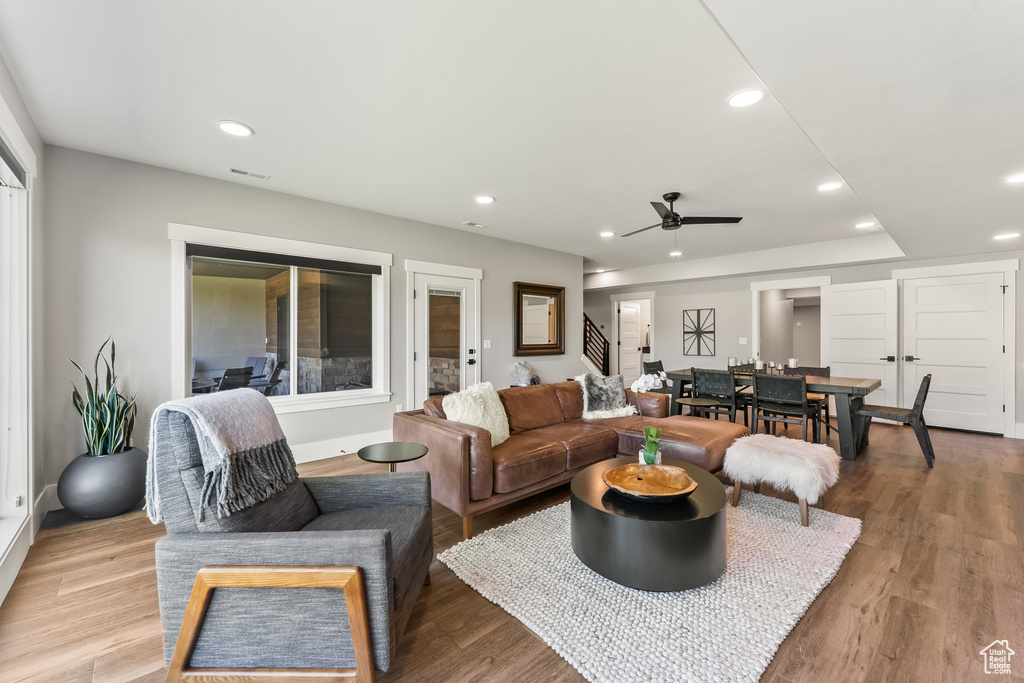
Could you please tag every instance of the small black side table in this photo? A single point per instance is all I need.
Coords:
(392, 452)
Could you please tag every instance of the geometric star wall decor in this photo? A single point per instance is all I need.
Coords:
(699, 332)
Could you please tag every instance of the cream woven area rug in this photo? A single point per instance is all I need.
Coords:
(728, 630)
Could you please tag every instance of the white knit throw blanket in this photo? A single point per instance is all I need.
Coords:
(245, 453)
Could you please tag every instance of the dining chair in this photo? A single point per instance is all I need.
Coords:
(783, 400)
(714, 391)
(908, 416)
(655, 367)
(820, 399)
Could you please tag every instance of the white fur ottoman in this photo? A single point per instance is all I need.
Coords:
(806, 469)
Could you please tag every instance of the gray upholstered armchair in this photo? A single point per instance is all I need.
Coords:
(370, 534)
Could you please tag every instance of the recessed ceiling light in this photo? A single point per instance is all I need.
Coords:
(474, 225)
(235, 128)
(607, 233)
(675, 253)
(745, 98)
(484, 199)
(599, 270)
(1006, 236)
(834, 185)
(865, 224)
(1015, 178)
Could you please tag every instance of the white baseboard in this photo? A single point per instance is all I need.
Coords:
(46, 501)
(319, 450)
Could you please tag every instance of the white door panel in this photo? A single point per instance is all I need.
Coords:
(630, 342)
(953, 329)
(858, 334)
(442, 360)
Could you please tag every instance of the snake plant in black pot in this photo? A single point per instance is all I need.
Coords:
(110, 477)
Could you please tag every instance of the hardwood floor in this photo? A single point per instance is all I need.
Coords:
(937, 574)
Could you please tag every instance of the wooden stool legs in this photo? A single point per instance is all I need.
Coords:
(737, 487)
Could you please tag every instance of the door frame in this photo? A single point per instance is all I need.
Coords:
(412, 269)
(1008, 268)
(755, 296)
(613, 339)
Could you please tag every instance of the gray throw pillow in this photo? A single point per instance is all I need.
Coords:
(604, 397)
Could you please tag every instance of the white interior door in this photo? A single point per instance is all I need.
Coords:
(953, 330)
(858, 334)
(446, 354)
(630, 341)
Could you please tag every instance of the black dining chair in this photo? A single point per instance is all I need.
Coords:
(714, 391)
(783, 400)
(654, 367)
(820, 399)
(908, 416)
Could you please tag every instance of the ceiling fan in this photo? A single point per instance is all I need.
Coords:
(670, 220)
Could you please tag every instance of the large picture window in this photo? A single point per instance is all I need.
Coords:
(308, 332)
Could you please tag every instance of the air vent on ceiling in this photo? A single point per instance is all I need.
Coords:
(250, 174)
(471, 224)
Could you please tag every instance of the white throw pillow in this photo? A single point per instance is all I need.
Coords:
(479, 406)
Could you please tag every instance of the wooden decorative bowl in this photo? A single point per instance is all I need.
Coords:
(652, 483)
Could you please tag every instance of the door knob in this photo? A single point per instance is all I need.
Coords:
(471, 361)
(910, 358)
(890, 359)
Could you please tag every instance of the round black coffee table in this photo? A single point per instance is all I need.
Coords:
(392, 452)
(666, 546)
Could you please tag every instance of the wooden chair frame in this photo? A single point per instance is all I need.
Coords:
(349, 579)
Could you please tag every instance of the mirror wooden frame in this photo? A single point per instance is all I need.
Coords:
(521, 289)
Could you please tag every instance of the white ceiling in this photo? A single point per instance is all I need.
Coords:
(575, 115)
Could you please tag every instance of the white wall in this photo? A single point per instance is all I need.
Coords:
(108, 257)
(807, 335)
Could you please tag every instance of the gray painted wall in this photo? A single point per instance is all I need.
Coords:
(807, 335)
(732, 300)
(108, 257)
(776, 326)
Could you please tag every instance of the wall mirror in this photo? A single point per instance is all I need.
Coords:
(539, 312)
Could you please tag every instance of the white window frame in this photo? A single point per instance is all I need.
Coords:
(181, 320)
(21, 520)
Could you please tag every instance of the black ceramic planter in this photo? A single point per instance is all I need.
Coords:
(95, 486)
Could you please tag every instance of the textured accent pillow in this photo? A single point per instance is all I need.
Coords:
(604, 397)
(479, 406)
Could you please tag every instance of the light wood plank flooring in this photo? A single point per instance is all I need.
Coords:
(938, 573)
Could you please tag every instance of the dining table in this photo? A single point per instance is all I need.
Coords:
(849, 393)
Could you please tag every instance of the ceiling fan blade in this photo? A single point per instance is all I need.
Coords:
(700, 220)
(656, 225)
(661, 209)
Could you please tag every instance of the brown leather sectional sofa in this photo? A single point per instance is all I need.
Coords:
(549, 444)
